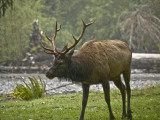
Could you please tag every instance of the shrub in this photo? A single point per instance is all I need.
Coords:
(32, 90)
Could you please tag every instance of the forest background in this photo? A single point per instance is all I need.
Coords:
(134, 21)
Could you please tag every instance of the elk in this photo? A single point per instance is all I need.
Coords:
(95, 62)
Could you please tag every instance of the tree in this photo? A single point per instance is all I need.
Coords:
(4, 5)
(140, 29)
(16, 26)
(15, 29)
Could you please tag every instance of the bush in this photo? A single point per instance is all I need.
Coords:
(32, 90)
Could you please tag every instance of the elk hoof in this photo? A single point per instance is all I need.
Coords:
(123, 116)
(80, 119)
(129, 115)
(112, 118)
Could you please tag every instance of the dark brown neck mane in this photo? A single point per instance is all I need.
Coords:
(78, 69)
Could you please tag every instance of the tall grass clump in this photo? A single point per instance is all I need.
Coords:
(30, 90)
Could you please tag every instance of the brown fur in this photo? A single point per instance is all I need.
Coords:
(106, 59)
(97, 62)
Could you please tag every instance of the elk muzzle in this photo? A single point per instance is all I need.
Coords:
(50, 74)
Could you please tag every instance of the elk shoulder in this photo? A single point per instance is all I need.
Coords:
(106, 58)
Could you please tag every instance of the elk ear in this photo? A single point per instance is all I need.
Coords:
(71, 52)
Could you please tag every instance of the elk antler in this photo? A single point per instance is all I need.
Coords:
(65, 49)
(79, 38)
(54, 50)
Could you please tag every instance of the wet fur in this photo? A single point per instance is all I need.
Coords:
(99, 62)
(96, 60)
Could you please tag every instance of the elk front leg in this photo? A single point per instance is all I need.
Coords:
(106, 89)
(85, 88)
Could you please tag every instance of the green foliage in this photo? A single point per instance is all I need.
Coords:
(145, 105)
(33, 90)
(4, 5)
(154, 4)
(16, 26)
(35, 48)
(15, 29)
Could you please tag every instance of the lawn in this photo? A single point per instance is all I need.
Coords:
(145, 105)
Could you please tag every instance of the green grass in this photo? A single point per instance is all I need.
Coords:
(145, 105)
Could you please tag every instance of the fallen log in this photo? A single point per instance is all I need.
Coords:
(150, 62)
(22, 69)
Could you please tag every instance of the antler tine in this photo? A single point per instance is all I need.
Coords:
(49, 52)
(59, 28)
(87, 24)
(79, 38)
(54, 37)
(48, 38)
(48, 49)
(84, 28)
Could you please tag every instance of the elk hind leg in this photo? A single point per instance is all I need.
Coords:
(121, 87)
(85, 88)
(106, 89)
(126, 76)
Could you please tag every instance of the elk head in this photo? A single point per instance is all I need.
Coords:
(62, 58)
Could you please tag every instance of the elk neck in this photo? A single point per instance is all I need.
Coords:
(79, 68)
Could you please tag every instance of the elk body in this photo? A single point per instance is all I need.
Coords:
(95, 62)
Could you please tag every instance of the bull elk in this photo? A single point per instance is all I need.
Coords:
(95, 62)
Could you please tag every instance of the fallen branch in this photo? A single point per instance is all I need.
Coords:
(59, 87)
